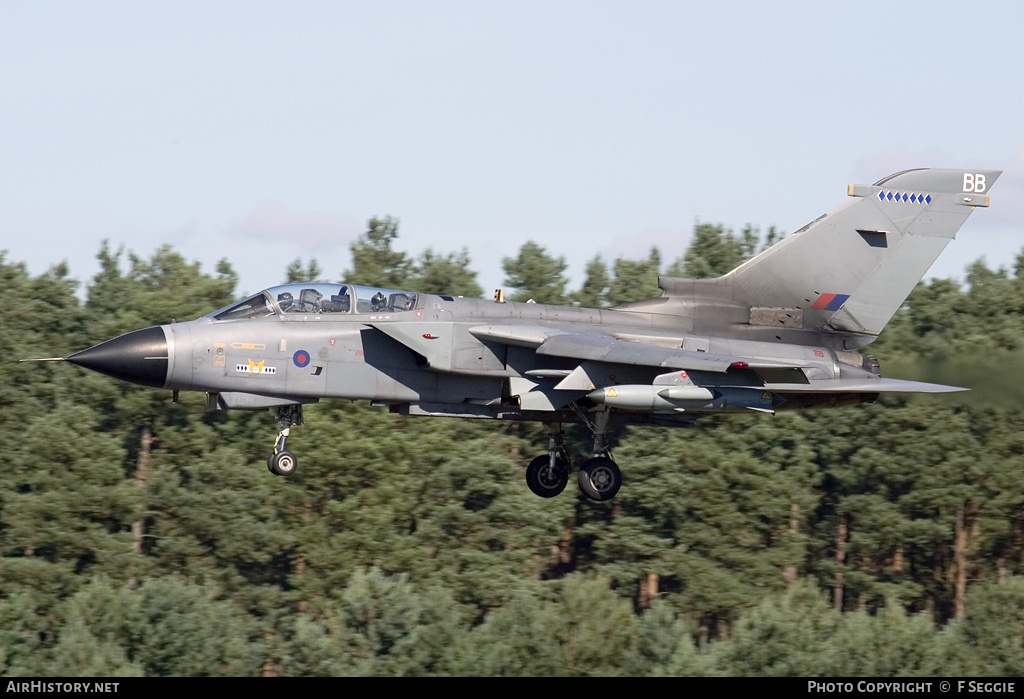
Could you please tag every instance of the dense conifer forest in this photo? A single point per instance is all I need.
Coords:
(144, 537)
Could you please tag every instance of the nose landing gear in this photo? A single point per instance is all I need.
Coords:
(282, 462)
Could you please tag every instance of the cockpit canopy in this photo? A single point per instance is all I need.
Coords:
(318, 298)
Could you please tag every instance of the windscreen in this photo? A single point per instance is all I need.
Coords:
(256, 306)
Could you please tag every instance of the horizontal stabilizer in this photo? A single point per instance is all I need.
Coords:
(863, 386)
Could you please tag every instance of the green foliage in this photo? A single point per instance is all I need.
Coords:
(785, 635)
(994, 629)
(635, 280)
(374, 260)
(715, 250)
(445, 274)
(594, 292)
(889, 643)
(575, 628)
(158, 290)
(797, 634)
(536, 275)
(665, 646)
(296, 273)
(23, 335)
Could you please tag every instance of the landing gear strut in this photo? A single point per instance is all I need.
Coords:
(599, 478)
(282, 462)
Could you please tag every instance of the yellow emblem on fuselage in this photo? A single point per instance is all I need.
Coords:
(256, 368)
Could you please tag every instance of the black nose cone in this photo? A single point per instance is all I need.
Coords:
(140, 357)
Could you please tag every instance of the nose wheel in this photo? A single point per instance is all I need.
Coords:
(282, 462)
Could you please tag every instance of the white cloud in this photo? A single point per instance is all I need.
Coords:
(307, 231)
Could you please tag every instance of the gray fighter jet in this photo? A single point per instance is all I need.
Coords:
(781, 331)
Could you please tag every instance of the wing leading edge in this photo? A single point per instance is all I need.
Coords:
(599, 347)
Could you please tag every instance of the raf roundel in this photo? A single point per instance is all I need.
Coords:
(301, 358)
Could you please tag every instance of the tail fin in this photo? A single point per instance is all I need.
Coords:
(851, 269)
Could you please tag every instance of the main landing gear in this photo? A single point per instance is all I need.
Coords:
(598, 478)
(282, 462)
(548, 474)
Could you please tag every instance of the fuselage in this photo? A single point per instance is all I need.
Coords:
(439, 354)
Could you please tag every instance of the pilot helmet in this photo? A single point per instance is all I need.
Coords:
(284, 300)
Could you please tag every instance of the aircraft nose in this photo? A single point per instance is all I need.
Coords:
(140, 357)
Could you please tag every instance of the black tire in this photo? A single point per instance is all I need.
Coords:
(283, 463)
(599, 478)
(543, 483)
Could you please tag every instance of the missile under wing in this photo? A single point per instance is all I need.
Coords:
(782, 331)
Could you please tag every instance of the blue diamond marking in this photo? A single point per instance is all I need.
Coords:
(889, 196)
(905, 196)
(881, 195)
(928, 198)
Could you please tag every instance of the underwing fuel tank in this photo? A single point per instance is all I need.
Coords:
(695, 399)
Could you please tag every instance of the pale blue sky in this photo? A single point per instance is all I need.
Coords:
(266, 131)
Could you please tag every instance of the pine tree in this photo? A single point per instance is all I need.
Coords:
(536, 275)
(296, 272)
(375, 262)
(635, 280)
(594, 292)
(445, 274)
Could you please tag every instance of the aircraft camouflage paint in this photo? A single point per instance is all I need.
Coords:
(781, 331)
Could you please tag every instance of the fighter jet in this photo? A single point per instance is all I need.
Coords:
(780, 332)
